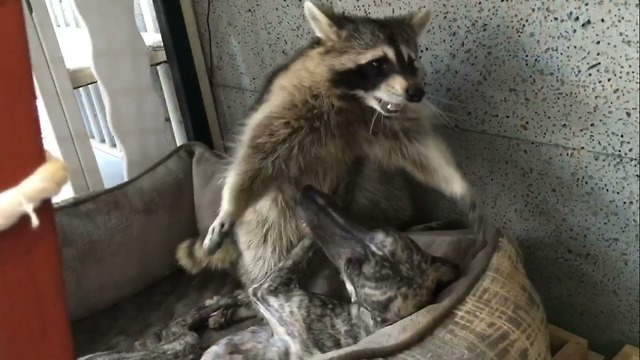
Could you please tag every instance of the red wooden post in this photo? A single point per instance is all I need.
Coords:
(33, 316)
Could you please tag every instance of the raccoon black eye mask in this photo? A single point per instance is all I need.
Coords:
(365, 77)
(372, 75)
(379, 69)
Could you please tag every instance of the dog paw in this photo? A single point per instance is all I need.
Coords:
(197, 319)
(218, 320)
(216, 308)
(234, 299)
(218, 231)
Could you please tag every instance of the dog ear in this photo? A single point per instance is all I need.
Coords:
(321, 24)
(419, 20)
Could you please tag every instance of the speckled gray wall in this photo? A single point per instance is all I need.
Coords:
(546, 95)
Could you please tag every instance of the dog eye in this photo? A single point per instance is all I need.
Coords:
(352, 265)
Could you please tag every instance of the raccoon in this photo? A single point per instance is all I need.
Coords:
(351, 100)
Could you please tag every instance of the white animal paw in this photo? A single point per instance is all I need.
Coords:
(218, 232)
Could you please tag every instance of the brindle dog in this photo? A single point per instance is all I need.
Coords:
(387, 275)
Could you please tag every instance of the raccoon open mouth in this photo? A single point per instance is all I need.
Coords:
(389, 108)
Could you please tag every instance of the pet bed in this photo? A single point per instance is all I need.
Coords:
(127, 298)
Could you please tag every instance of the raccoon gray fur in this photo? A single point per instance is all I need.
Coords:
(349, 102)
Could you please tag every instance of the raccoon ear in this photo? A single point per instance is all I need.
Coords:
(322, 26)
(420, 20)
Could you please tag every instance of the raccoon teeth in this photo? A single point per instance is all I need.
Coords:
(393, 107)
(389, 106)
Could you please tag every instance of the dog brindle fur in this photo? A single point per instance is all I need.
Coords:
(352, 96)
(388, 276)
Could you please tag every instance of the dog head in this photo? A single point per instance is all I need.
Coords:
(385, 272)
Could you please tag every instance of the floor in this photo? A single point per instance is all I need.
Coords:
(111, 167)
(109, 160)
(74, 46)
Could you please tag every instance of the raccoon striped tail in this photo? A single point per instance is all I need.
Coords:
(193, 258)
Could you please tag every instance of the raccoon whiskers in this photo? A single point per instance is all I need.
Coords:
(441, 114)
(445, 100)
(373, 121)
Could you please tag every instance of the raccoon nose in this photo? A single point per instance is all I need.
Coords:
(415, 94)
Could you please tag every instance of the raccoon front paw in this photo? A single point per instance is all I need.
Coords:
(218, 231)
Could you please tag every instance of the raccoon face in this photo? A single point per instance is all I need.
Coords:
(387, 82)
(376, 59)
